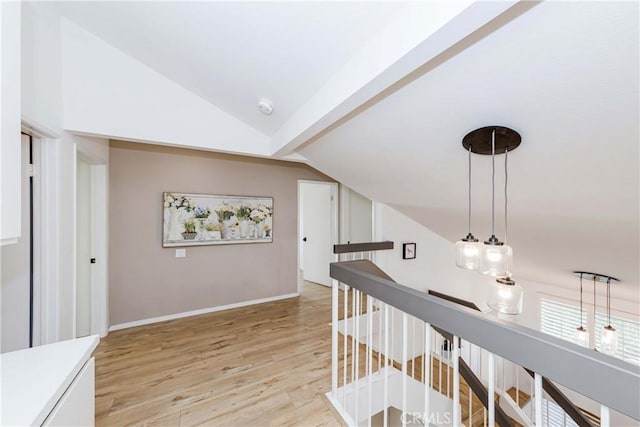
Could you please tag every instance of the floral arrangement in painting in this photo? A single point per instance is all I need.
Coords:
(260, 213)
(243, 212)
(189, 225)
(178, 201)
(225, 211)
(212, 226)
(200, 212)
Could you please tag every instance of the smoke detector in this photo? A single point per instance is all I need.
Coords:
(265, 107)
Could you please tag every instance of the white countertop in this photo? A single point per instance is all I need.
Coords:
(34, 379)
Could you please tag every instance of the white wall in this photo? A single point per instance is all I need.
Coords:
(9, 120)
(110, 94)
(41, 67)
(356, 217)
(434, 266)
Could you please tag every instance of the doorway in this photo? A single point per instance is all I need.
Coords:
(91, 295)
(317, 230)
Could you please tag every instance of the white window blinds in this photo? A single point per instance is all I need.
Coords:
(555, 416)
(628, 336)
(560, 320)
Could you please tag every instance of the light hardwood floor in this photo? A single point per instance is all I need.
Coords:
(263, 365)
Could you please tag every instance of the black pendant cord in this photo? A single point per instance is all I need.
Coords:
(581, 301)
(594, 300)
(493, 182)
(609, 301)
(469, 187)
(506, 178)
(31, 254)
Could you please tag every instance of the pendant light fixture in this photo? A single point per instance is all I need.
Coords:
(609, 340)
(609, 344)
(495, 256)
(582, 335)
(506, 296)
(468, 248)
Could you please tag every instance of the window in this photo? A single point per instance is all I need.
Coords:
(560, 320)
(628, 337)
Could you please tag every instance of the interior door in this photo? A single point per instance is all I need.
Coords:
(16, 271)
(317, 232)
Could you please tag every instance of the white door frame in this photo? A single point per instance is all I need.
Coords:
(335, 222)
(45, 232)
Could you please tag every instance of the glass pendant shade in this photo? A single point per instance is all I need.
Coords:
(582, 337)
(496, 260)
(609, 344)
(506, 297)
(468, 253)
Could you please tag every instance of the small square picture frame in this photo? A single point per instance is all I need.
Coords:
(408, 251)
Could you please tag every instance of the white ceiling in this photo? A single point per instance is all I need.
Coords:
(563, 74)
(233, 53)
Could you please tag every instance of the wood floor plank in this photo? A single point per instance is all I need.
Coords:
(262, 365)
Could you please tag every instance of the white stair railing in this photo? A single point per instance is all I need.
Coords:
(388, 331)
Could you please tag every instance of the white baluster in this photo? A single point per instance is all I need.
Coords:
(538, 398)
(427, 372)
(334, 337)
(405, 326)
(516, 373)
(456, 382)
(413, 347)
(531, 407)
(604, 416)
(369, 355)
(354, 297)
(345, 316)
(379, 334)
(492, 388)
(439, 351)
(357, 356)
(386, 366)
(470, 407)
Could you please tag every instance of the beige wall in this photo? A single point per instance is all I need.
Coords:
(147, 280)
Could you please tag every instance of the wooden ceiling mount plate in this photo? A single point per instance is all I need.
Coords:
(480, 140)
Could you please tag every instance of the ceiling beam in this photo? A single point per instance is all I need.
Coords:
(400, 52)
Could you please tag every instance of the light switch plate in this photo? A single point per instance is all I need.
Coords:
(181, 253)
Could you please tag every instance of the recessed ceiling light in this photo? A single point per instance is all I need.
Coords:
(265, 107)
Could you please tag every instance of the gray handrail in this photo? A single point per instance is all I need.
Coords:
(346, 248)
(603, 378)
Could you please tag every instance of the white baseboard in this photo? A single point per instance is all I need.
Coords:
(198, 312)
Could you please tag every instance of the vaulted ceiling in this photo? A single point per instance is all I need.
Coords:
(379, 96)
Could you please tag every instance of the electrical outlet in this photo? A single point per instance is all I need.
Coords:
(181, 253)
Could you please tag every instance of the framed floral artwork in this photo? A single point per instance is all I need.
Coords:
(200, 219)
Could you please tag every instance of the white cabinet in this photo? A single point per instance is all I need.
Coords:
(76, 407)
(49, 385)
